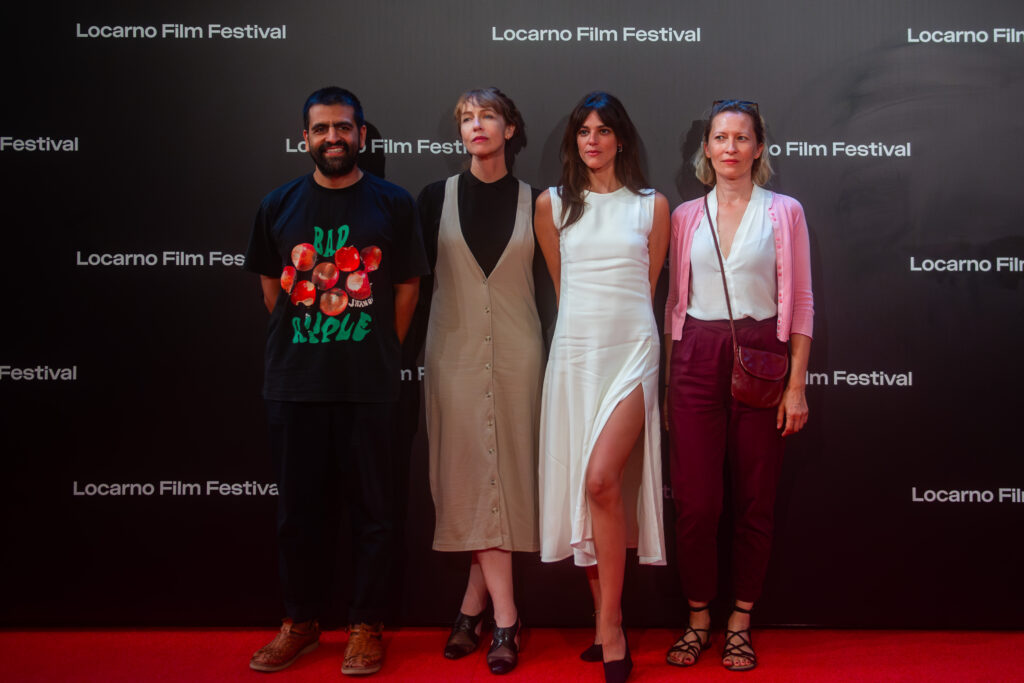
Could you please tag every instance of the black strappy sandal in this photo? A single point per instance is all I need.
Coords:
(691, 648)
(737, 644)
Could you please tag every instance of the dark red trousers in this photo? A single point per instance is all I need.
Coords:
(708, 425)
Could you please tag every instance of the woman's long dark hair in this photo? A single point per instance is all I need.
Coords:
(575, 180)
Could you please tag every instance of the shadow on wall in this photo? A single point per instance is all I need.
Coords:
(687, 184)
(372, 161)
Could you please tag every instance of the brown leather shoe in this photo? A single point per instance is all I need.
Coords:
(291, 642)
(364, 653)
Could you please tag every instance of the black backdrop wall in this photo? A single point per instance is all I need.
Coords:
(136, 141)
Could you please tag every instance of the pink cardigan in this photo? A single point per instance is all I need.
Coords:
(792, 258)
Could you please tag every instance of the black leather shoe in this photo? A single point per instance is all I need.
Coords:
(504, 653)
(594, 653)
(465, 636)
(618, 671)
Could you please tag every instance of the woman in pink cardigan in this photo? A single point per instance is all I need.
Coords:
(766, 257)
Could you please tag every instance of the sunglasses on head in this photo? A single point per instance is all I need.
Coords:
(719, 105)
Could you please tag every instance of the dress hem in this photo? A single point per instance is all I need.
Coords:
(472, 547)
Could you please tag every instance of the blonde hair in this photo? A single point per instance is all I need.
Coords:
(761, 172)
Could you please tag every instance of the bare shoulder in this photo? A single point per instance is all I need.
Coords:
(661, 209)
(543, 213)
(544, 201)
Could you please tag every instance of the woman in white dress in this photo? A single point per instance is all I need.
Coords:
(604, 236)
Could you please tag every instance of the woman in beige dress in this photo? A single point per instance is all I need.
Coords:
(484, 365)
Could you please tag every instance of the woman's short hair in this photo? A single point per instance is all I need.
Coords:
(494, 99)
(574, 179)
(761, 171)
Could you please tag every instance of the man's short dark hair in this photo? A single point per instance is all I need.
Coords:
(333, 95)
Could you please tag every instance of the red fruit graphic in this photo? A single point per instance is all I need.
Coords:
(358, 285)
(371, 258)
(303, 256)
(325, 275)
(287, 279)
(305, 293)
(347, 259)
(333, 301)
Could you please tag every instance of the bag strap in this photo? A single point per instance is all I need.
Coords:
(721, 265)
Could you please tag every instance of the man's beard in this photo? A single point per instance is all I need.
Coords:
(334, 167)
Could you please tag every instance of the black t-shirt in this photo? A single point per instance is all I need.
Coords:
(338, 253)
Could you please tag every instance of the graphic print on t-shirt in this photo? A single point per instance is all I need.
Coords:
(339, 276)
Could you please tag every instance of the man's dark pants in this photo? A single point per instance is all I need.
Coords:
(324, 452)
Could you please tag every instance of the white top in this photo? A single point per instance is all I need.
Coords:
(749, 265)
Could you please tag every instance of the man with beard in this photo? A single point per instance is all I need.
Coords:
(339, 254)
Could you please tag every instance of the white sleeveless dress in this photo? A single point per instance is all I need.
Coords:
(605, 344)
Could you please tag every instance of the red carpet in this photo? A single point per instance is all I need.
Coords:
(548, 655)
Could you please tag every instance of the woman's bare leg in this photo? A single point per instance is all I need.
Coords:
(475, 598)
(604, 493)
(594, 581)
(496, 567)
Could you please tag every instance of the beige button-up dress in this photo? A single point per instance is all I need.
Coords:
(484, 369)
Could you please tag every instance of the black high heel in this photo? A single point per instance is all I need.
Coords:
(465, 635)
(618, 671)
(504, 653)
